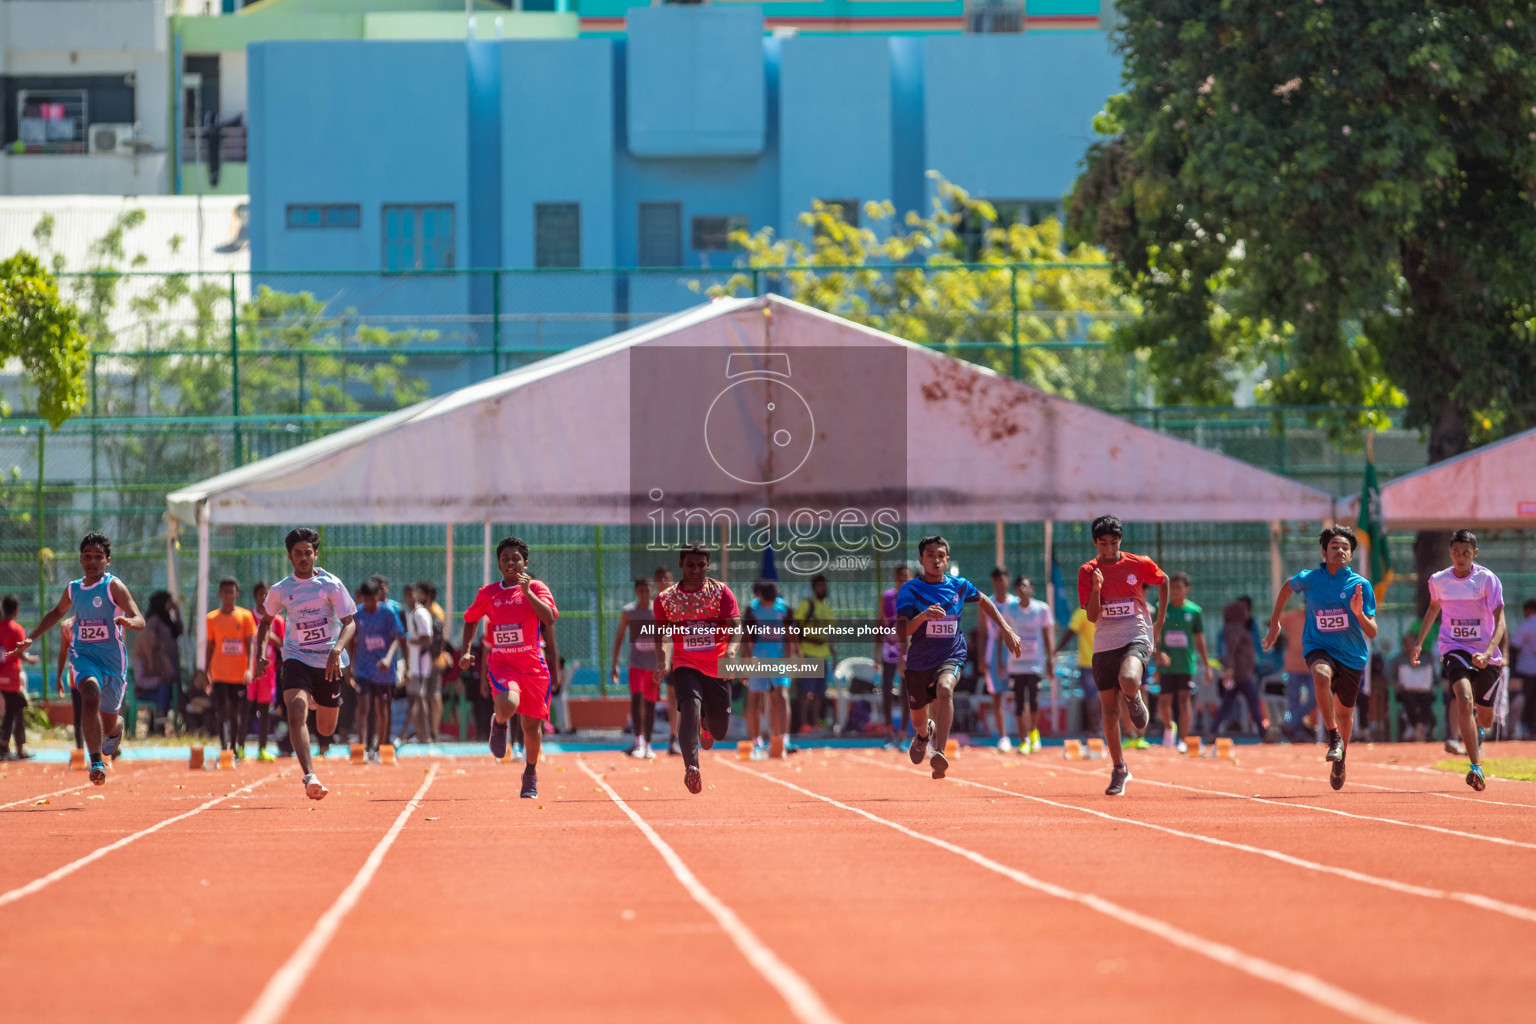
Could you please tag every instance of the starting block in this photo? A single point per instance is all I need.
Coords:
(1192, 746)
(226, 760)
(1095, 749)
(951, 748)
(195, 761)
(1224, 749)
(386, 753)
(77, 760)
(744, 750)
(357, 753)
(1072, 750)
(776, 746)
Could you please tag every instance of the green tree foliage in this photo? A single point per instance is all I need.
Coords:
(42, 331)
(1343, 191)
(952, 287)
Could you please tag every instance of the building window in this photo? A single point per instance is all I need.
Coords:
(849, 208)
(325, 215)
(713, 234)
(557, 234)
(973, 229)
(51, 120)
(418, 237)
(661, 235)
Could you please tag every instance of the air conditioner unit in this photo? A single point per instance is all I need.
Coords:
(112, 138)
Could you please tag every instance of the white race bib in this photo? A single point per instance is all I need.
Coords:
(1029, 646)
(942, 627)
(93, 631)
(1117, 610)
(233, 646)
(508, 634)
(313, 632)
(1331, 620)
(645, 644)
(373, 644)
(1470, 630)
(1175, 638)
(698, 642)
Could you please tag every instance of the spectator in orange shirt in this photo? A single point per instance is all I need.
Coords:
(231, 661)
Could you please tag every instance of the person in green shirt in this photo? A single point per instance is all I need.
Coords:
(1181, 655)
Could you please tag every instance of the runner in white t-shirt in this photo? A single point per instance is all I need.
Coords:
(418, 665)
(1036, 660)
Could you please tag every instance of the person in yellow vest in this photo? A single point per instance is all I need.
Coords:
(814, 615)
(1080, 626)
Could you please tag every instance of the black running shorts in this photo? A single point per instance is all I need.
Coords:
(1458, 665)
(299, 676)
(1346, 681)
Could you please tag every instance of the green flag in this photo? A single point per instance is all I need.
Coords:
(1371, 524)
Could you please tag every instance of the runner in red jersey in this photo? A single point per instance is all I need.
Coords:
(520, 612)
(699, 623)
(1111, 588)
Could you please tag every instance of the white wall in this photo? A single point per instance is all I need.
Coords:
(79, 25)
(105, 174)
(232, 91)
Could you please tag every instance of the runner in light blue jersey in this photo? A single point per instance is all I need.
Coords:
(103, 609)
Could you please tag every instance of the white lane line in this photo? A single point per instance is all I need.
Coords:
(281, 989)
(1310, 986)
(798, 995)
(1389, 789)
(38, 884)
(1296, 805)
(44, 796)
(1407, 888)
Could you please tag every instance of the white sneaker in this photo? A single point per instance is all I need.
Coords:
(1003, 744)
(313, 788)
(637, 751)
(1034, 743)
(650, 754)
(1182, 747)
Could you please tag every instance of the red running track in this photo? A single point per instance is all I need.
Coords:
(838, 886)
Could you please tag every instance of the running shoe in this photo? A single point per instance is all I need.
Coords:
(1139, 743)
(706, 738)
(919, 748)
(672, 747)
(1336, 774)
(1335, 748)
(266, 755)
(637, 751)
(1482, 734)
(1182, 747)
(1476, 779)
(1025, 747)
(650, 755)
(1034, 741)
(1117, 780)
(693, 780)
(110, 745)
(530, 783)
(939, 763)
(313, 788)
(1455, 747)
(499, 738)
(23, 755)
(1005, 746)
(99, 772)
(1138, 711)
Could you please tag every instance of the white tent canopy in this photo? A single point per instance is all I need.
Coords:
(550, 443)
(1492, 487)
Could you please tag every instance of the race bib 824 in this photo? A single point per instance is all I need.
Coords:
(93, 631)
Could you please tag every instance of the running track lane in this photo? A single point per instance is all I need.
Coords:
(554, 909)
(199, 915)
(1322, 926)
(887, 928)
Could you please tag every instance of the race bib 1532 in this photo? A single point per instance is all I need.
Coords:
(1117, 609)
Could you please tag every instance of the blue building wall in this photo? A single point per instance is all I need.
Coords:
(695, 107)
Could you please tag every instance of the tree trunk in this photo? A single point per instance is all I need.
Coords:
(1448, 436)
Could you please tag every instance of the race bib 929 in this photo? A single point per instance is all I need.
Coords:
(1331, 620)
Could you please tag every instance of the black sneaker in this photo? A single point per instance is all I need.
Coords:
(499, 738)
(530, 783)
(693, 780)
(672, 747)
(939, 763)
(919, 748)
(1117, 780)
(1336, 774)
(1138, 711)
(1335, 748)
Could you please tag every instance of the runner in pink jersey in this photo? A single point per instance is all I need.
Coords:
(699, 622)
(1470, 602)
(520, 615)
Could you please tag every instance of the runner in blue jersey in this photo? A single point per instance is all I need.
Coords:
(1341, 619)
(928, 609)
(103, 608)
(318, 610)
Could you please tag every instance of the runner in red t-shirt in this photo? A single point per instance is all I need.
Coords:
(12, 687)
(519, 612)
(698, 622)
(263, 688)
(1110, 588)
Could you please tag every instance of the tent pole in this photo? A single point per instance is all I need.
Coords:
(1276, 565)
(485, 557)
(997, 543)
(202, 587)
(448, 575)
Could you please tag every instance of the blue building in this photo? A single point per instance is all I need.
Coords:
(637, 151)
